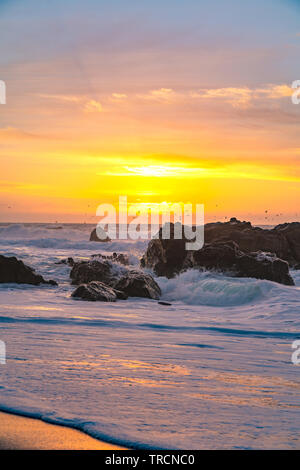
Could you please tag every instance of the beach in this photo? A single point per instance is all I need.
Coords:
(20, 433)
(210, 369)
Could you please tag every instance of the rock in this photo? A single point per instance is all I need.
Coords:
(84, 272)
(227, 258)
(165, 256)
(115, 257)
(13, 270)
(291, 232)
(169, 257)
(283, 240)
(134, 283)
(138, 284)
(248, 238)
(68, 261)
(95, 290)
(103, 237)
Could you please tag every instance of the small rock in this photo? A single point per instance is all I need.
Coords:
(139, 284)
(95, 291)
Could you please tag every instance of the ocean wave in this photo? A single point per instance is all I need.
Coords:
(75, 237)
(204, 288)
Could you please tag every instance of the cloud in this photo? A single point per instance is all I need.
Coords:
(88, 105)
(118, 97)
(93, 106)
(163, 95)
(64, 98)
(10, 133)
(275, 91)
(244, 96)
(234, 96)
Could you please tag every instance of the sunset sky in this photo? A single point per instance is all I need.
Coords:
(171, 100)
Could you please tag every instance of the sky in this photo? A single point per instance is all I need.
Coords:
(176, 101)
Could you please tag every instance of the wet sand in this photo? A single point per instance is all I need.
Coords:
(18, 432)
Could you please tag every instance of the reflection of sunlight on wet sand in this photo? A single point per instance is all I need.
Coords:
(252, 380)
(107, 363)
(145, 382)
(155, 367)
(238, 401)
(31, 307)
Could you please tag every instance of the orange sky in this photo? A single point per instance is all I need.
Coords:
(165, 122)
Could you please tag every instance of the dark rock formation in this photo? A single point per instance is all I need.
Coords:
(95, 238)
(283, 240)
(291, 233)
(139, 284)
(234, 247)
(13, 270)
(165, 256)
(84, 272)
(226, 257)
(98, 291)
(131, 282)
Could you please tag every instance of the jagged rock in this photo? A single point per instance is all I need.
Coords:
(291, 232)
(13, 270)
(168, 257)
(115, 257)
(226, 257)
(165, 256)
(248, 238)
(101, 238)
(283, 240)
(95, 290)
(138, 284)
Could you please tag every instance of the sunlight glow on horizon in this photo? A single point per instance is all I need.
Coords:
(189, 106)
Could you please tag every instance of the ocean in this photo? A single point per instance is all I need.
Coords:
(213, 370)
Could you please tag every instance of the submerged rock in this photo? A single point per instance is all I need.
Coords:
(13, 270)
(68, 261)
(139, 284)
(96, 290)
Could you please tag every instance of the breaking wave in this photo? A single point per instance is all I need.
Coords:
(203, 288)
